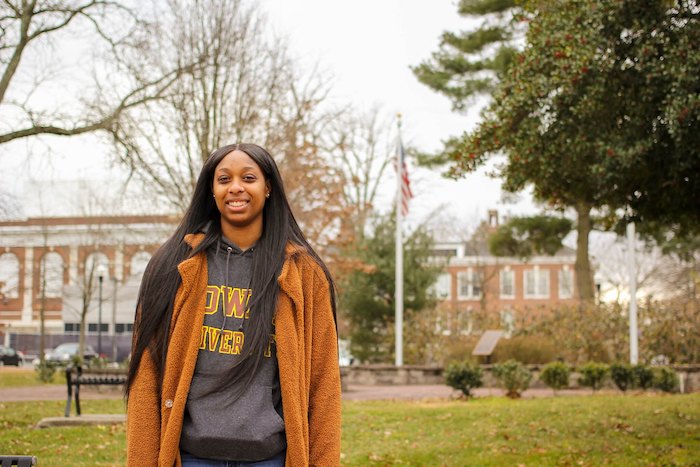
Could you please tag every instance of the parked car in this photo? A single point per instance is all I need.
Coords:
(9, 356)
(66, 353)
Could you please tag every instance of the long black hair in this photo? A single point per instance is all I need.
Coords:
(161, 278)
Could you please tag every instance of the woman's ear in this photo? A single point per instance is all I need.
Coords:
(268, 189)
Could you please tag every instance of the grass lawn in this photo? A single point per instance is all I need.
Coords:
(586, 430)
(633, 429)
(12, 377)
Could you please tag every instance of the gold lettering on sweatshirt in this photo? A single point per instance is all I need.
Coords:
(226, 342)
(212, 300)
(235, 303)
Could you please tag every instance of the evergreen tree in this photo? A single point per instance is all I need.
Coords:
(470, 63)
(600, 112)
(524, 237)
(368, 293)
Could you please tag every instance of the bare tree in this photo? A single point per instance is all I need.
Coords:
(241, 92)
(314, 186)
(9, 206)
(245, 89)
(43, 272)
(654, 271)
(364, 146)
(85, 279)
(31, 32)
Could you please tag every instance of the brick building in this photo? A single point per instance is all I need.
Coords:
(67, 264)
(474, 279)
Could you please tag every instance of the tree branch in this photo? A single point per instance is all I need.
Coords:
(106, 122)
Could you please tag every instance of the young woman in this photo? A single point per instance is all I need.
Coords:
(234, 358)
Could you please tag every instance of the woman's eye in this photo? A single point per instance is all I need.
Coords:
(249, 178)
(223, 179)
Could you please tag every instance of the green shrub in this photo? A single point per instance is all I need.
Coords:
(463, 376)
(556, 375)
(643, 376)
(45, 371)
(666, 379)
(526, 349)
(593, 375)
(622, 376)
(514, 377)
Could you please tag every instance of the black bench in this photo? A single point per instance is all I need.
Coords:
(19, 461)
(77, 376)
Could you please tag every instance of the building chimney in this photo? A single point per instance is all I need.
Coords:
(493, 219)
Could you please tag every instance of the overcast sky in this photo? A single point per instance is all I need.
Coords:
(367, 46)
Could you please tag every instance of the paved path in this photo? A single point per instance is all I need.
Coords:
(354, 392)
(439, 391)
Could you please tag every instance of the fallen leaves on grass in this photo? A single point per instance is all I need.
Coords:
(623, 427)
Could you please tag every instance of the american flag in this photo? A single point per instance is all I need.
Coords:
(406, 193)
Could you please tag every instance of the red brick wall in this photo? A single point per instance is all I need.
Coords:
(491, 298)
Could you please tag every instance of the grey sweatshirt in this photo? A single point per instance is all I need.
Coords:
(251, 427)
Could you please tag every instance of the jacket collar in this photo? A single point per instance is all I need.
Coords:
(194, 239)
(288, 280)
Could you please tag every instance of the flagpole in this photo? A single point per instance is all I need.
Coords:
(632, 272)
(399, 253)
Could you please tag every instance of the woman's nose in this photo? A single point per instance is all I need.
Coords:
(235, 187)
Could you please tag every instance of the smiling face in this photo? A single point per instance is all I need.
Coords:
(240, 190)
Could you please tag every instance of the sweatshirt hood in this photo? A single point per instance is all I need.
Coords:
(292, 249)
(225, 247)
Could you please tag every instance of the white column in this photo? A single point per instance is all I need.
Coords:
(28, 285)
(73, 265)
(119, 263)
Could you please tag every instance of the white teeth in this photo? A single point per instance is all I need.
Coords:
(237, 204)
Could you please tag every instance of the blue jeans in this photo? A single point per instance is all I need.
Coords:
(188, 460)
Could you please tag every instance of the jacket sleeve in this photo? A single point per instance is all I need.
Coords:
(325, 393)
(143, 416)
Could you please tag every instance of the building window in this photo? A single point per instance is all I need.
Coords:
(122, 328)
(92, 327)
(507, 283)
(9, 276)
(536, 283)
(469, 284)
(508, 321)
(464, 321)
(71, 327)
(51, 275)
(443, 286)
(566, 283)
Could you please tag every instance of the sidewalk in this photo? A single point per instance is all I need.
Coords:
(439, 391)
(353, 393)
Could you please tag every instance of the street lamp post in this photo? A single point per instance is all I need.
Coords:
(100, 278)
(113, 330)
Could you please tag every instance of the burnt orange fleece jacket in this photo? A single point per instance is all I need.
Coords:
(307, 354)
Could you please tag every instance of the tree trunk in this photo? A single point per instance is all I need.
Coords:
(584, 276)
